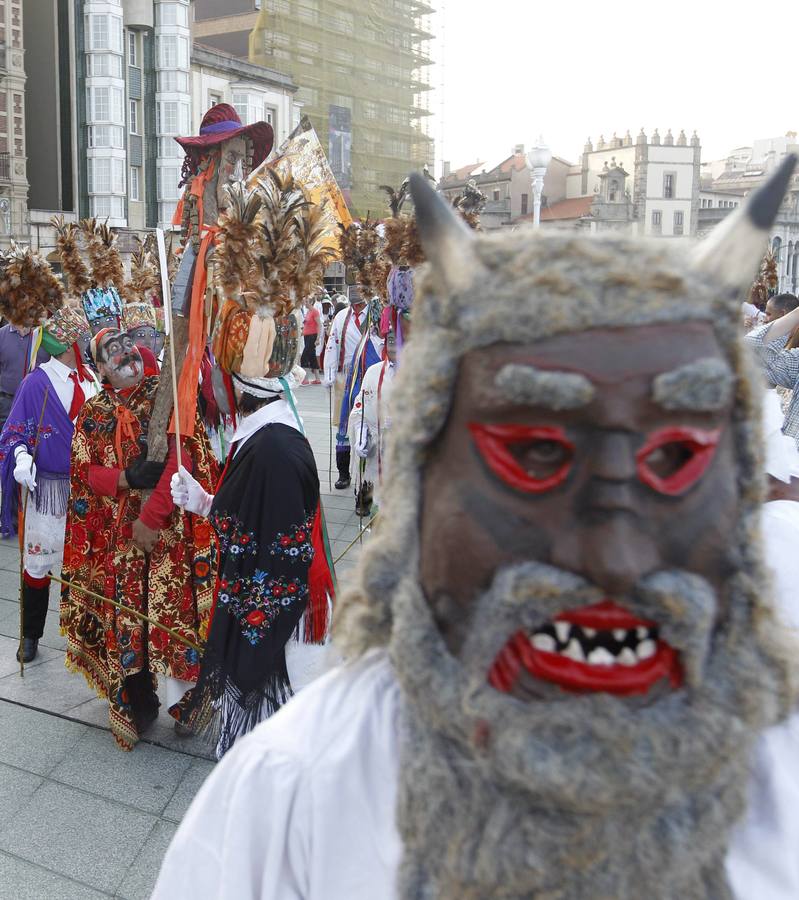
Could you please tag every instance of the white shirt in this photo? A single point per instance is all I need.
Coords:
(304, 807)
(351, 341)
(278, 412)
(63, 385)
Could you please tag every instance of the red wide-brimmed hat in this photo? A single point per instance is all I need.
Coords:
(221, 123)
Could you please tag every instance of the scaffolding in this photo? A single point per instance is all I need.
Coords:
(363, 70)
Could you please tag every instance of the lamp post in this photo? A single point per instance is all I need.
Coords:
(538, 159)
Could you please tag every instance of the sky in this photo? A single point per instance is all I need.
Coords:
(513, 69)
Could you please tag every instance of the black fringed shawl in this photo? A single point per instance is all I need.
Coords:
(263, 515)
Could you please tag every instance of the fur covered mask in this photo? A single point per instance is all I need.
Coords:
(570, 584)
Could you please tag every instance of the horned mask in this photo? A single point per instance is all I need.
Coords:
(568, 580)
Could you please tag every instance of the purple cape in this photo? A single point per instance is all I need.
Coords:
(52, 442)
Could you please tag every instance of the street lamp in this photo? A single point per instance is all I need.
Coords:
(538, 159)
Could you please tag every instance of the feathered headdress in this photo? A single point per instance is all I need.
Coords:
(106, 263)
(30, 292)
(271, 254)
(139, 289)
(76, 274)
(363, 250)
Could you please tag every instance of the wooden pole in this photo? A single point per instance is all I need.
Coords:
(167, 295)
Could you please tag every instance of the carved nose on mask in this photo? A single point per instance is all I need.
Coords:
(238, 171)
(617, 554)
(611, 473)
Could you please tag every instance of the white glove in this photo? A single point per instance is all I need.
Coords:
(362, 444)
(189, 494)
(25, 469)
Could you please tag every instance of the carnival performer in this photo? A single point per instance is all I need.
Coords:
(264, 514)
(133, 548)
(16, 346)
(562, 652)
(757, 868)
(273, 574)
(139, 320)
(351, 348)
(35, 449)
(369, 426)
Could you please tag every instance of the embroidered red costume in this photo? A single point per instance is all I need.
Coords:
(172, 584)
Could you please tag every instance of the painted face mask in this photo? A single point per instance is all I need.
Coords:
(120, 361)
(570, 592)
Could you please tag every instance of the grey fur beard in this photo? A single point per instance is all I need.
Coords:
(588, 796)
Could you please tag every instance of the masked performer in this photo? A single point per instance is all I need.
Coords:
(563, 649)
(36, 438)
(273, 578)
(138, 314)
(370, 423)
(350, 347)
(224, 153)
(133, 548)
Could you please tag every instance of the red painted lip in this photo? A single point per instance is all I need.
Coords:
(605, 615)
(580, 677)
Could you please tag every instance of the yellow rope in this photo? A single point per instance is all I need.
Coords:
(355, 539)
(134, 612)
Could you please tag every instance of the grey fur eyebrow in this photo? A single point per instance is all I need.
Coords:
(554, 389)
(705, 385)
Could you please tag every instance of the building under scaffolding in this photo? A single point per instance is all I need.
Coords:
(363, 71)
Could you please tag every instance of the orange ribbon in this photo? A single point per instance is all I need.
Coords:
(124, 430)
(125, 422)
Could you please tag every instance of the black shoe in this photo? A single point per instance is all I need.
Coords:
(30, 647)
(145, 718)
(343, 482)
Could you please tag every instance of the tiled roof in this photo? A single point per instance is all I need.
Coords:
(573, 208)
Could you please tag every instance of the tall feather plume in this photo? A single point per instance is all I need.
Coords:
(238, 239)
(144, 280)
(75, 272)
(313, 253)
(283, 204)
(30, 292)
(104, 256)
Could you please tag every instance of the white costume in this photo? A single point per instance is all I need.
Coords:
(303, 808)
(763, 862)
(370, 423)
(346, 327)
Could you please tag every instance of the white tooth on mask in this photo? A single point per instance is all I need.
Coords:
(589, 632)
(544, 642)
(562, 630)
(620, 634)
(574, 651)
(646, 649)
(627, 657)
(641, 633)
(601, 657)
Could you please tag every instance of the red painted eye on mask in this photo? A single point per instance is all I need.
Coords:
(532, 459)
(673, 459)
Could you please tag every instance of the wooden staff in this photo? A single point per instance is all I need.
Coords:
(26, 496)
(128, 609)
(167, 297)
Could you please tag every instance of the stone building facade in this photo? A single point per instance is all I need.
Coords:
(648, 186)
(13, 174)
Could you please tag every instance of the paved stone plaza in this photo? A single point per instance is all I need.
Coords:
(79, 818)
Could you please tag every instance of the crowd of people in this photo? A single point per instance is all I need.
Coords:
(566, 663)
